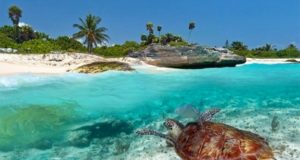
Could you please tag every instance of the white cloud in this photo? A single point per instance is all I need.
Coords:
(81, 40)
(106, 44)
(21, 24)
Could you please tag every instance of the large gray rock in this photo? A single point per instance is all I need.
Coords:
(188, 57)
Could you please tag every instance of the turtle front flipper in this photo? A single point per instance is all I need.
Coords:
(144, 132)
(207, 116)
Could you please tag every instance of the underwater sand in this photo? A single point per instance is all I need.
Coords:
(119, 103)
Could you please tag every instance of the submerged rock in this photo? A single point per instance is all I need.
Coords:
(97, 67)
(42, 144)
(82, 136)
(275, 124)
(188, 57)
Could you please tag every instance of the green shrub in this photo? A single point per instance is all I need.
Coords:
(115, 51)
(265, 51)
(285, 53)
(6, 42)
(41, 35)
(237, 45)
(69, 44)
(9, 31)
(118, 50)
(26, 33)
(177, 44)
(38, 46)
(289, 52)
(163, 39)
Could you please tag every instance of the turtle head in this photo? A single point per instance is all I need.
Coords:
(174, 127)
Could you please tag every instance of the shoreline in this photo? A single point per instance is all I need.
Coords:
(270, 60)
(11, 64)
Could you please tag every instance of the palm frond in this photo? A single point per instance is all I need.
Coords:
(91, 31)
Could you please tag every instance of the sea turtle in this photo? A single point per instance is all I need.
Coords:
(206, 140)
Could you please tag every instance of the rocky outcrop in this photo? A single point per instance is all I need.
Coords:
(188, 57)
(98, 67)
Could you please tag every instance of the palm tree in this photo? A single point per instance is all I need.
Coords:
(144, 38)
(89, 29)
(268, 47)
(149, 27)
(15, 13)
(226, 44)
(159, 30)
(192, 26)
(291, 46)
(237, 45)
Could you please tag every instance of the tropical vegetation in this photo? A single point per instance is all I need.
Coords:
(163, 39)
(265, 51)
(92, 38)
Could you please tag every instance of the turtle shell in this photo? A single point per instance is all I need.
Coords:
(217, 141)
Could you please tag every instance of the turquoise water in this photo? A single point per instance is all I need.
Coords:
(38, 111)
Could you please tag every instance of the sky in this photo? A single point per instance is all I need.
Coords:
(254, 22)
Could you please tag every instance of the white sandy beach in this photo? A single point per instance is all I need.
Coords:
(41, 64)
(7, 68)
(49, 63)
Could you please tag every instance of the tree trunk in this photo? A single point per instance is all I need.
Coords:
(90, 47)
(190, 33)
(17, 38)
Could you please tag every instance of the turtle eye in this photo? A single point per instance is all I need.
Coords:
(168, 124)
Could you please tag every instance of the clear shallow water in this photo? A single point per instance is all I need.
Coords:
(40, 111)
